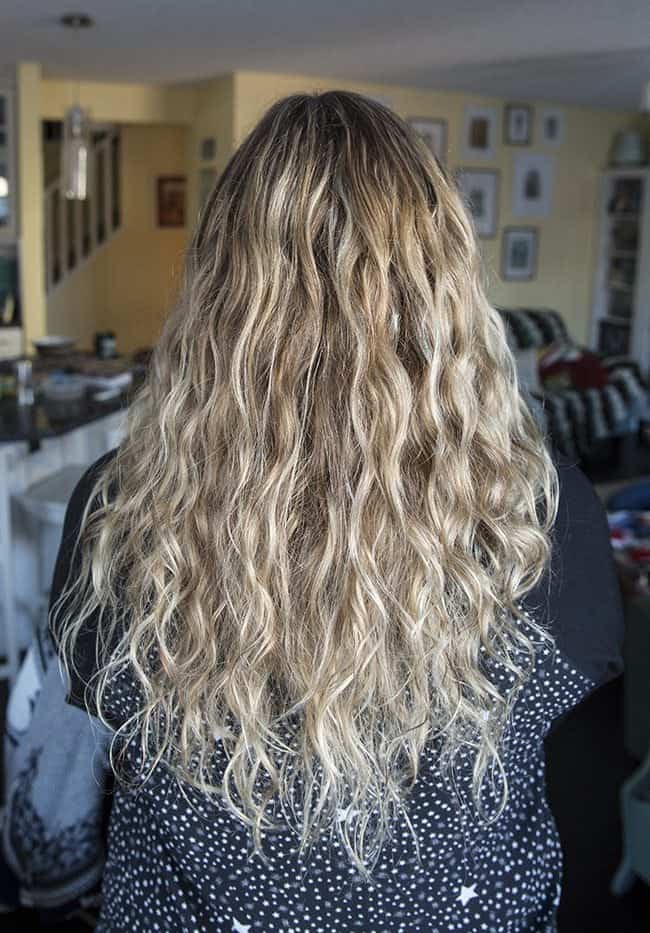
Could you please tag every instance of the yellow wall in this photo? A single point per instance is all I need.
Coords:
(213, 117)
(130, 283)
(567, 237)
(228, 107)
(110, 102)
(30, 201)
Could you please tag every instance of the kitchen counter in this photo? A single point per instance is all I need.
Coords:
(49, 419)
(44, 419)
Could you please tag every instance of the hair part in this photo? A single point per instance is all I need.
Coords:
(332, 496)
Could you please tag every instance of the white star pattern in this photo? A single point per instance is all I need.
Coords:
(211, 846)
(466, 894)
(221, 732)
(343, 815)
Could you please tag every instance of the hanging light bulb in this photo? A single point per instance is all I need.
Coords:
(76, 145)
(75, 153)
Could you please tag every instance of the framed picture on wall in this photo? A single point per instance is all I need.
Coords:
(434, 135)
(208, 149)
(551, 125)
(479, 133)
(519, 249)
(532, 194)
(170, 206)
(518, 124)
(480, 190)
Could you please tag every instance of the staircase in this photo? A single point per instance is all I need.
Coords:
(75, 230)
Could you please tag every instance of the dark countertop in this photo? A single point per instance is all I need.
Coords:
(44, 419)
(75, 361)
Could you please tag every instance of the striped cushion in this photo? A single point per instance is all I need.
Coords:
(533, 327)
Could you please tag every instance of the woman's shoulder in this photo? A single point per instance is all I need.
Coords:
(66, 571)
(579, 598)
(84, 488)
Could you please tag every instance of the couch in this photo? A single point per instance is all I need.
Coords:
(576, 419)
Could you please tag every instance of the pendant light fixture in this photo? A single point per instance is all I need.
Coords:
(76, 144)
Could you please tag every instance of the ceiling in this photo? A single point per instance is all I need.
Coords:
(588, 52)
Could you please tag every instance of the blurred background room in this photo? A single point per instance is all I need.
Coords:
(115, 122)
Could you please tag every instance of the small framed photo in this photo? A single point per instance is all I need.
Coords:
(518, 125)
(551, 125)
(171, 201)
(479, 133)
(434, 135)
(480, 189)
(208, 149)
(519, 250)
(532, 194)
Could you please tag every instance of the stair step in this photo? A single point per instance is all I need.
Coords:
(75, 230)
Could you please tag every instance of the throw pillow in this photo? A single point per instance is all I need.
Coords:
(567, 366)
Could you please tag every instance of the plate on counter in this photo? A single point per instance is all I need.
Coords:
(54, 345)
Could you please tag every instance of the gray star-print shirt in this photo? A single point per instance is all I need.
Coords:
(177, 862)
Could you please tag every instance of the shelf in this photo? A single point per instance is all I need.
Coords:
(615, 319)
(628, 289)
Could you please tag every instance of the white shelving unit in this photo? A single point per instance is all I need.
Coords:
(621, 308)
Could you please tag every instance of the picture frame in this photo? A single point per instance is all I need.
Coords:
(480, 191)
(532, 191)
(433, 132)
(517, 124)
(551, 126)
(479, 133)
(519, 254)
(208, 149)
(170, 200)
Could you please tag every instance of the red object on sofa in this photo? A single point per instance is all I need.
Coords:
(585, 372)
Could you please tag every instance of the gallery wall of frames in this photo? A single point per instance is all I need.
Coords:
(531, 187)
(530, 170)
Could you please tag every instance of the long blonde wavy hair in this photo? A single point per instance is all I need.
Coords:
(332, 496)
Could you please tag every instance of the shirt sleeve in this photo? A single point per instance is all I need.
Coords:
(580, 598)
(67, 568)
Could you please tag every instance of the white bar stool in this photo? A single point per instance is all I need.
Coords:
(45, 503)
(9, 454)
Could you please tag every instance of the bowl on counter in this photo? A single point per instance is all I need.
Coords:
(54, 345)
(63, 387)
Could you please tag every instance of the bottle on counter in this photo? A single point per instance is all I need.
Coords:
(24, 382)
(105, 344)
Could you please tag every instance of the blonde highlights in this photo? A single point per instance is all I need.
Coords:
(332, 496)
